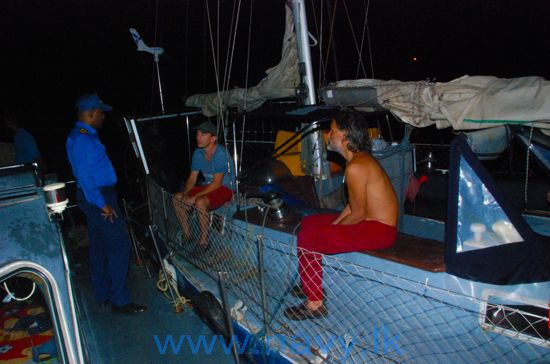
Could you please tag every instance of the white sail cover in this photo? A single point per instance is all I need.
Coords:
(469, 102)
(281, 81)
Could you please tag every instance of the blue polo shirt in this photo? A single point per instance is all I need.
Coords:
(26, 150)
(221, 162)
(90, 163)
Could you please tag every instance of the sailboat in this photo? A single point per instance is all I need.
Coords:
(469, 282)
(470, 286)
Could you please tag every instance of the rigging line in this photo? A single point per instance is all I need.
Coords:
(236, 24)
(216, 73)
(369, 42)
(233, 45)
(154, 45)
(220, 115)
(318, 35)
(330, 37)
(229, 38)
(363, 36)
(246, 84)
(322, 65)
(354, 37)
(204, 22)
(526, 186)
(186, 47)
(218, 41)
(248, 54)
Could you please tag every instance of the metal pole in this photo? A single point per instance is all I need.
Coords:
(236, 164)
(68, 278)
(262, 283)
(163, 193)
(221, 281)
(139, 262)
(148, 188)
(188, 140)
(170, 250)
(160, 84)
(302, 42)
(166, 276)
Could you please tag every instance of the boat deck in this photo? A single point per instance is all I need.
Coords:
(114, 338)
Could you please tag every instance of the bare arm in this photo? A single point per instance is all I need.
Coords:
(190, 182)
(355, 177)
(216, 183)
(345, 212)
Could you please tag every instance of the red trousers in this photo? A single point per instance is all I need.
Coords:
(217, 197)
(318, 235)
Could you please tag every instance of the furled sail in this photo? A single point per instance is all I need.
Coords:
(281, 81)
(466, 103)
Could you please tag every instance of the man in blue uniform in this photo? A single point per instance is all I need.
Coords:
(96, 197)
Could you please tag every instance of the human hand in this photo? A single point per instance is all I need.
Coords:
(189, 200)
(108, 213)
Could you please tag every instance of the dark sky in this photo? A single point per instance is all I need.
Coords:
(54, 50)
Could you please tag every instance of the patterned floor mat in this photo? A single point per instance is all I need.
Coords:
(26, 334)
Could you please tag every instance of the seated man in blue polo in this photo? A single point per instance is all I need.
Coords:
(109, 246)
(216, 165)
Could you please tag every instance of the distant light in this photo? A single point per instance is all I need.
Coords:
(414, 59)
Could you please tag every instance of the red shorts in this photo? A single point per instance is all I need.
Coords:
(216, 198)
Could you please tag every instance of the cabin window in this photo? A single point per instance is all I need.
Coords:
(481, 222)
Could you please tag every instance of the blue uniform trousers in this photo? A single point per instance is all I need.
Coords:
(109, 250)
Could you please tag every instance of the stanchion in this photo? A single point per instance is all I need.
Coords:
(221, 281)
(161, 262)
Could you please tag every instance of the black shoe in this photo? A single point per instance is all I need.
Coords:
(298, 292)
(129, 308)
(302, 312)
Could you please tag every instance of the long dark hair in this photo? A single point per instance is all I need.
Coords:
(354, 126)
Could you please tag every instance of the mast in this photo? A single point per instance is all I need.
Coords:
(313, 149)
(302, 41)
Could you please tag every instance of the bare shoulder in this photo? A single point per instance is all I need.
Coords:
(362, 161)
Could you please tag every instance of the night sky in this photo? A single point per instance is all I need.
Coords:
(55, 50)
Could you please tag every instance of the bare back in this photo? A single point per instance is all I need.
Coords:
(372, 188)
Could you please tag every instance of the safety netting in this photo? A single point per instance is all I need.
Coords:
(373, 315)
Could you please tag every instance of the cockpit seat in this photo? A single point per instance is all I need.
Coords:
(413, 251)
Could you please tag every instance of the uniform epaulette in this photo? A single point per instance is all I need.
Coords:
(83, 131)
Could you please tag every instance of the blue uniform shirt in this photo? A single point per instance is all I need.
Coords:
(220, 162)
(90, 163)
(26, 150)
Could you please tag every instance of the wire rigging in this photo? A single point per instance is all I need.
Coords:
(155, 44)
(365, 23)
(331, 33)
(354, 38)
(246, 83)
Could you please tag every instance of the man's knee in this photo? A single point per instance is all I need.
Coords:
(202, 203)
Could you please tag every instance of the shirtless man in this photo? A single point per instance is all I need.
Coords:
(368, 222)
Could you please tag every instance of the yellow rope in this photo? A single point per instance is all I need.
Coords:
(180, 301)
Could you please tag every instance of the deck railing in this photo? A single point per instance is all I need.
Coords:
(372, 315)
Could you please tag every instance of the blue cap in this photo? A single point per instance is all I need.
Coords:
(91, 102)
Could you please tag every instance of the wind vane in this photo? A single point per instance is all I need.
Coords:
(156, 52)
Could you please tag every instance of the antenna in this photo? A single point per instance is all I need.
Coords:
(156, 52)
